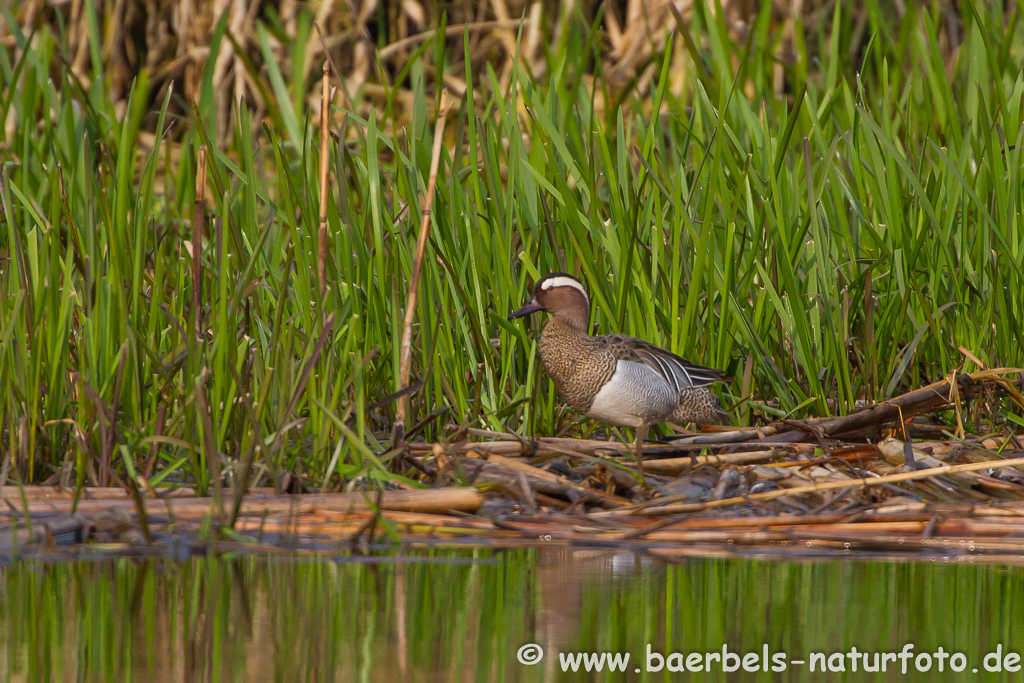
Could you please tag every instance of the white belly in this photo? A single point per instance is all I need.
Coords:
(635, 395)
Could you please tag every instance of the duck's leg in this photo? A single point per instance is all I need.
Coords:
(638, 447)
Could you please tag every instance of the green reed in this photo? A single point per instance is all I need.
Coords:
(835, 243)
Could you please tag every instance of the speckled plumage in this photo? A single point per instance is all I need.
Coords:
(620, 380)
(699, 406)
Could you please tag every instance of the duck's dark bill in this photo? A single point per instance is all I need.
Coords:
(531, 307)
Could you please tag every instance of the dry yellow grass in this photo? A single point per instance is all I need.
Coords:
(370, 41)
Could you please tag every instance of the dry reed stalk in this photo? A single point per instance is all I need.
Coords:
(550, 501)
(955, 525)
(325, 106)
(675, 466)
(854, 454)
(487, 447)
(725, 438)
(439, 501)
(198, 220)
(545, 482)
(405, 369)
(911, 535)
(356, 517)
(431, 519)
(56, 493)
(311, 529)
(814, 488)
(527, 492)
(787, 521)
(927, 398)
(1007, 509)
(481, 432)
(588, 446)
(852, 528)
(156, 508)
(452, 31)
(528, 469)
(741, 537)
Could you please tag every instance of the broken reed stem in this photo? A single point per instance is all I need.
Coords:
(325, 106)
(398, 435)
(198, 224)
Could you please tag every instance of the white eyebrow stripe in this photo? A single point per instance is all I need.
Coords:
(564, 282)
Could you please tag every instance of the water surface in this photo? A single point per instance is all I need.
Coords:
(465, 616)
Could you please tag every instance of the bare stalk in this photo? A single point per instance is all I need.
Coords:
(325, 113)
(398, 434)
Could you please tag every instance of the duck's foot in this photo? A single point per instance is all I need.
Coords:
(638, 449)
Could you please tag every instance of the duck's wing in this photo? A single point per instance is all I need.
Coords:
(678, 372)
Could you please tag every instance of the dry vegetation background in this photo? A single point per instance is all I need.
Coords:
(370, 42)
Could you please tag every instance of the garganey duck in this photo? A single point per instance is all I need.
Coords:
(624, 381)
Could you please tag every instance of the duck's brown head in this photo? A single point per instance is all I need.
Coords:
(563, 296)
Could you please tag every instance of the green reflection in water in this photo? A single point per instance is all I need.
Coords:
(464, 616)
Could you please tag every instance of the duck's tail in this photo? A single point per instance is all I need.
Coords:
(699, 406)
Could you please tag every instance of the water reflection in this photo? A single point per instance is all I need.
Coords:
(463, 617)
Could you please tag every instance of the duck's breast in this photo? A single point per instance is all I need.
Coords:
(634, 395)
